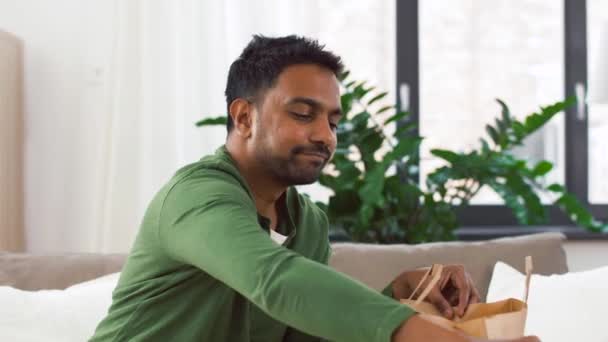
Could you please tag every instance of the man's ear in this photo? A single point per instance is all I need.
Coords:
(240, 112)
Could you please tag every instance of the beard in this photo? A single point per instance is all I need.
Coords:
(296, 168)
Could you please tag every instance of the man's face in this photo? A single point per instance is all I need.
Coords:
(294, 129)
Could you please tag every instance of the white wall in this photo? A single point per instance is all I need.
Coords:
(586, 255)
(66, 43)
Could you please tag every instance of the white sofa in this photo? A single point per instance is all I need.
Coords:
(55, 314)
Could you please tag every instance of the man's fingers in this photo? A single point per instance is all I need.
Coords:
(463, 301)
(454, 292)
(460, 281)
(444, 281)
(453, 298)
(475, 298)
(441, 304)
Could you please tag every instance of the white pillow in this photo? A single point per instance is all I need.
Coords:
(568, 307)
(55, 315)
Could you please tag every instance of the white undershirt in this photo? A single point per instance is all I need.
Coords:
(276, 237)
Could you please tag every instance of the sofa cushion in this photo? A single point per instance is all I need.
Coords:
(377, 265)
(55, 315)
(35, 272)
(567, 307)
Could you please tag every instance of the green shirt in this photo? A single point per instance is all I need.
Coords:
(203, 268)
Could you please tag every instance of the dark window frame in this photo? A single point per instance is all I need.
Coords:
(495, 217)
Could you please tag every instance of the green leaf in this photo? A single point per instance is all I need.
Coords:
(365, 214)
(534, 208)
(346, 101)
(405, 196)
(533, 122)
(579, 214)
(436, 180)
(371, 191)
(349, 173)
(398, 116)
(384, 109)
(536, 120)
(542, 168)
(345, 202)
(377, 97)
(328, 181)
(360, 121)
(502, 126)
(485, 148)
(405, 147)
(403, 129)
(556, 188)
(370, 142)
(511, 200)
(506, 113)
(493, 134)
(519, 130)
(449, 156)
(360, 91)
(344, 75)
(220, 120)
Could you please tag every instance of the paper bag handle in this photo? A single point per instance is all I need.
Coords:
(529, 268)
(435, 272)
(426, 275)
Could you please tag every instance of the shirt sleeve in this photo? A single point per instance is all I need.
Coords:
(215, 228)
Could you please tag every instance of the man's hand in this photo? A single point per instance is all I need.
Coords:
(420, 329)
(455, 289)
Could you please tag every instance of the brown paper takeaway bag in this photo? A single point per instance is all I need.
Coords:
(503, 319)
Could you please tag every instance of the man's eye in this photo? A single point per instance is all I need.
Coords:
(300, 116)
(333, 126)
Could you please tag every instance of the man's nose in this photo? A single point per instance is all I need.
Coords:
(323, 134)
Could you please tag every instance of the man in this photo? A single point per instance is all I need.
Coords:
(229, 251)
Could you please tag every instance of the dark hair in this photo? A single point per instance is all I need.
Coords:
(264, 58)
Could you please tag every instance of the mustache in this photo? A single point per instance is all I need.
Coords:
(314, 149)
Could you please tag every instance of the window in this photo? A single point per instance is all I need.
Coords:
(456, 56)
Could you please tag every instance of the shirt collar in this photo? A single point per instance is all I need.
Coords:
(289, 204)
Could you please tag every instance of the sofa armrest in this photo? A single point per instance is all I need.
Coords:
(38, 271)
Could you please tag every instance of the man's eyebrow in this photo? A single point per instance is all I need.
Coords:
(312, 103)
